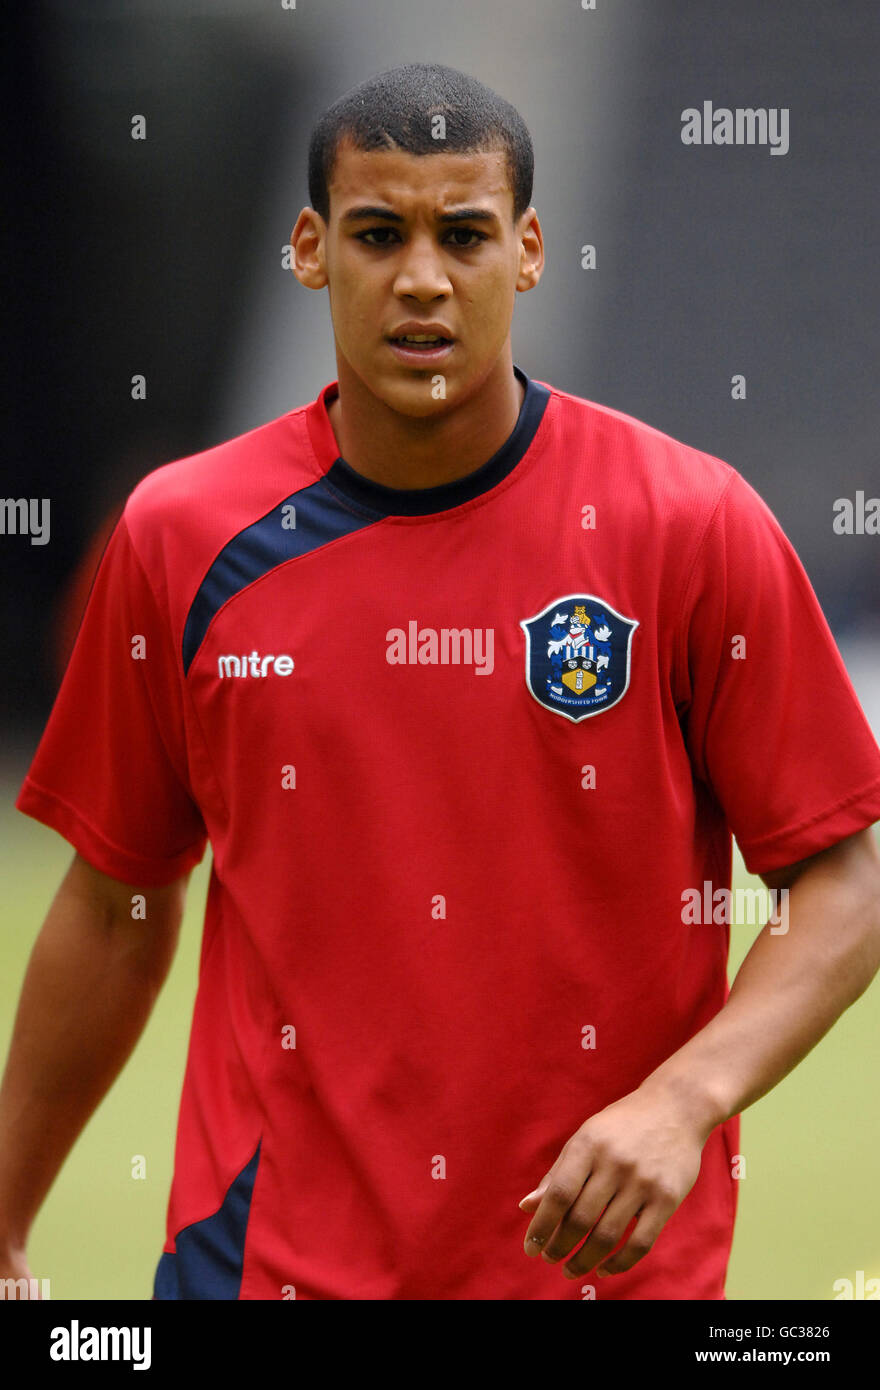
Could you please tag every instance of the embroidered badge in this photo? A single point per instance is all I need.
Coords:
(578, 655)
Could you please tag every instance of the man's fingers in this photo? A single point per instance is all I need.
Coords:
(530, 1202)
(560, 1190)
(588, 1206)
(532, 1199)
(648, 1227)
(607, 1233)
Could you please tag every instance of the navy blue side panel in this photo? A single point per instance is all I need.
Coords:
(210, 1253)
(265, 544)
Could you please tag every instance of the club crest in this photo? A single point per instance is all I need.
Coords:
(577, 655)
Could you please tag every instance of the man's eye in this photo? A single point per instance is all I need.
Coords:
(456, 231)
(468, 231)
(374, 231)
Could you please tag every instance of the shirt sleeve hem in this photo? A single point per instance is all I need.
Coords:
(100, 852)
(820, 831)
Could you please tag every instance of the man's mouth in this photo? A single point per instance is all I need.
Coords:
(421, 342)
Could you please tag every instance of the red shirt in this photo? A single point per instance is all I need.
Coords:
(460, 754)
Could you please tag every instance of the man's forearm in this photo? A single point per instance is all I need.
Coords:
(789, 991)
(87, 993)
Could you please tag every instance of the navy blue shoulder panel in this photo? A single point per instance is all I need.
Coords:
(209, 1259)
(313, 517)
(340, 502)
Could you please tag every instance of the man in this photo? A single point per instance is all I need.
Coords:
(466, 680)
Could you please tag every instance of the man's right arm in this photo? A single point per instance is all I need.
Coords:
(92, 979)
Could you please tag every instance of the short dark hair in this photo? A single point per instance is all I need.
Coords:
(395, 109)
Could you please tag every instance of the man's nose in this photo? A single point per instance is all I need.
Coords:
(422, 271)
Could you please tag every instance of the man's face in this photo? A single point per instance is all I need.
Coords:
(401, 264)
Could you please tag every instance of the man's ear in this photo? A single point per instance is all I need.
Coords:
(308, 240)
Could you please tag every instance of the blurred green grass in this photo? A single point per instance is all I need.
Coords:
(809, 1205)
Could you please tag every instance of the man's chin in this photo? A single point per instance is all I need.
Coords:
(419, 394)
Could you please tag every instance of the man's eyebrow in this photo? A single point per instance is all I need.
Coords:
(368, 214)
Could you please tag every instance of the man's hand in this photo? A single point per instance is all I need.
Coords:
(93, 976)
(634, 1161)
(14, 1266)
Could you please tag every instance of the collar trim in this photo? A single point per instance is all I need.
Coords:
(381, 500)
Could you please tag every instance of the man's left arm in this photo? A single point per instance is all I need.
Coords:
(640, 1156)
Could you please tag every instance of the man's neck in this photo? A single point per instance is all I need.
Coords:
(414, 452)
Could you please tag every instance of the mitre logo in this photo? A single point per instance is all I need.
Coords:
(577, 655)
(254, 665)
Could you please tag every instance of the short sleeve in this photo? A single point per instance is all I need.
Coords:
(110, 773)
(771, 720)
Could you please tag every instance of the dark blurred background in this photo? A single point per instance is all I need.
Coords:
(163, 256)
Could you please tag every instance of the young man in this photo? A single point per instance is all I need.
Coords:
(467, 680)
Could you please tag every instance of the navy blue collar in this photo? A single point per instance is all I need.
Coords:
(395, 501)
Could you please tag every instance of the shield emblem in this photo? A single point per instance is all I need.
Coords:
(579, 675)
(578, 655)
